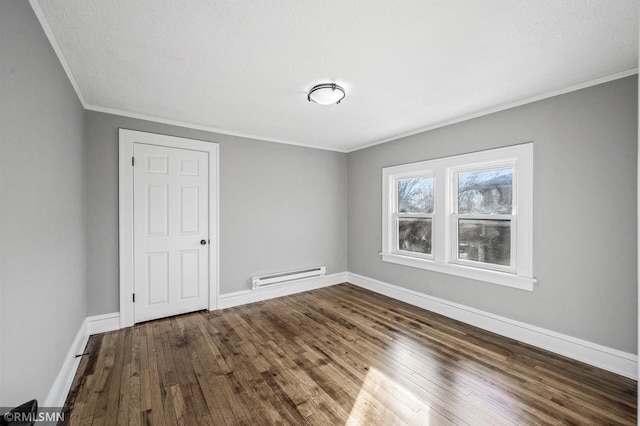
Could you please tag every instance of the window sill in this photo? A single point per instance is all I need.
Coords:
(493, 277)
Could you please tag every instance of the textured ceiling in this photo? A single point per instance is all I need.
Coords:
(243, 67)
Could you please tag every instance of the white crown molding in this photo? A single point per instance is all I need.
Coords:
(600, 356)
(504, 107)
(35, 5)
(56, 47)
(187, 125)
(434, 126)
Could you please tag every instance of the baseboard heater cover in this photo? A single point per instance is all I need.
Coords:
(284, 277)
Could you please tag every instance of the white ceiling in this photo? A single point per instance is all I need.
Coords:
(243, 67)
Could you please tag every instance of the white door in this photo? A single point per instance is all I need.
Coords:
(171, 231)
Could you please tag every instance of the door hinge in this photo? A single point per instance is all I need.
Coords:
(133, 161)
(134, 298)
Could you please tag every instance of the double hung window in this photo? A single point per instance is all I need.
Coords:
(468, 215)
(413, 218)
(482, 220)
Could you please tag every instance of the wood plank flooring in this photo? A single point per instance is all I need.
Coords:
(335, 356)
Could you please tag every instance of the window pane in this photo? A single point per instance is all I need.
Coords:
(414, 235)
(415, 195)
(487, 241)
(485, 191)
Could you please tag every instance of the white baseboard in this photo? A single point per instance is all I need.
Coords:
(613, 360)
(103, 323)
(61, 385)
(108, 322)
(91, 325)
(616, 361)
(250, 296)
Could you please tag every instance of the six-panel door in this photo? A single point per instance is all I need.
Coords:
(171, 231)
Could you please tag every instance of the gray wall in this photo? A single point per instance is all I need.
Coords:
(281, 207)
(42, 273)
(584, 249)
(285, 207)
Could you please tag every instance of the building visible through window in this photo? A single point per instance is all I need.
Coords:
(468, 215)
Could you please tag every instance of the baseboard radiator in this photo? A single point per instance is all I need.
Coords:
(284, 277)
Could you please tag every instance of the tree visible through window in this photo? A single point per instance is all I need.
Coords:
(415, 214)
(468, 215)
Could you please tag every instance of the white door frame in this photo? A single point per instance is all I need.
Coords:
(127, 138)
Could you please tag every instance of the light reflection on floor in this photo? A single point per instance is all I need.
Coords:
(383, 401)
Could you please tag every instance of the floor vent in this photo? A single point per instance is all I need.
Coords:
(283, 277)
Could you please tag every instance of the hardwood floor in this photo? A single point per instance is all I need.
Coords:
(334, 356)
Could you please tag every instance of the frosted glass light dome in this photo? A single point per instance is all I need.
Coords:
(326, 94)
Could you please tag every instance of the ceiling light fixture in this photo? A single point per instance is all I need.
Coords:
(326, 94)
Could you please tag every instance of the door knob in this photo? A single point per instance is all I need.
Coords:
(203, 242)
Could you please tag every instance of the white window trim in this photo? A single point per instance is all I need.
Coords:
(443, 249)
(396, 215)
(454, 216)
